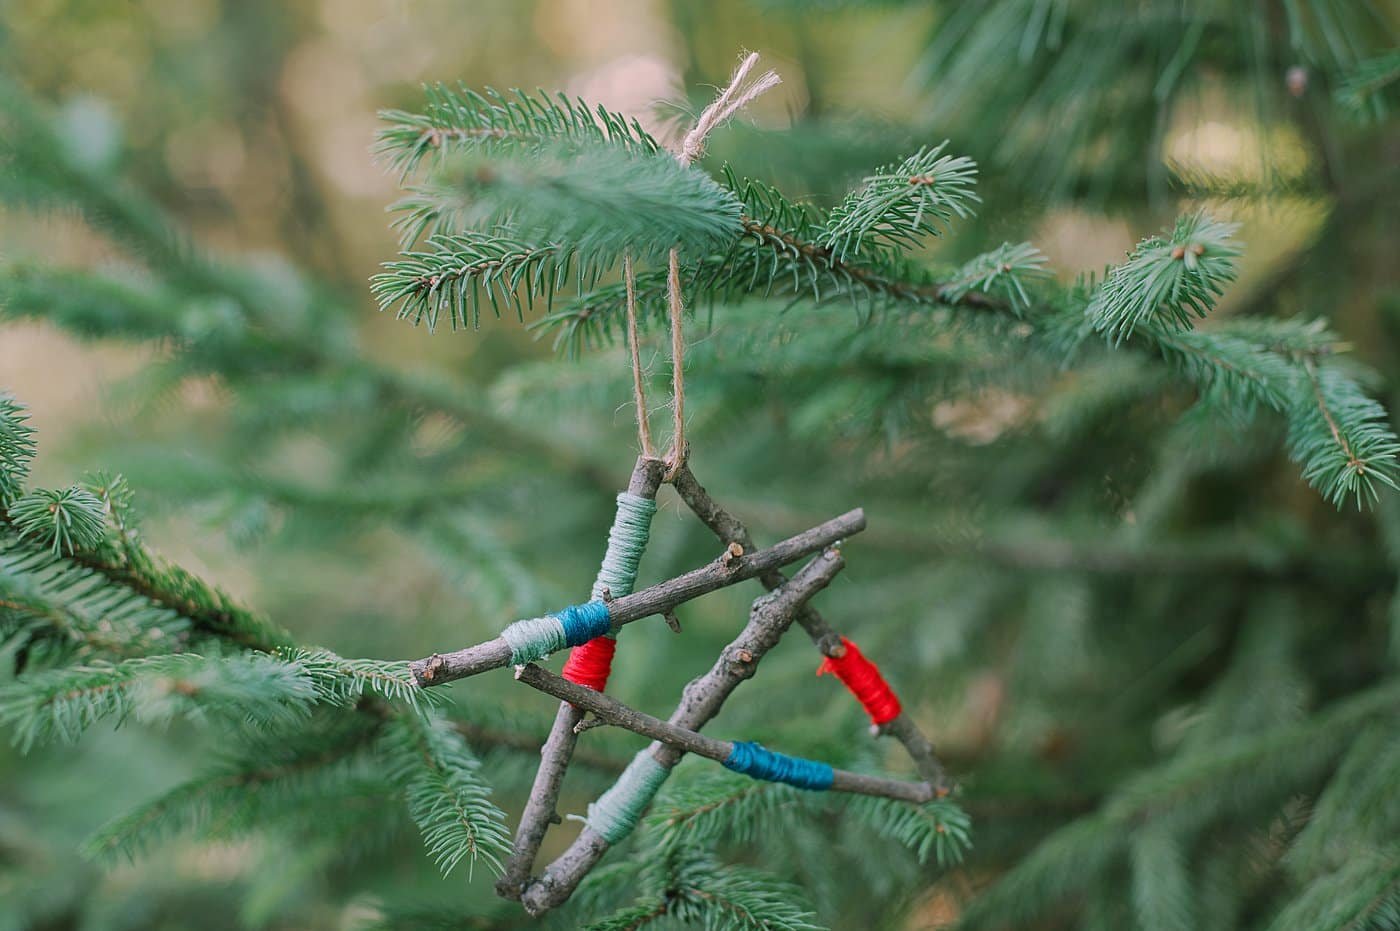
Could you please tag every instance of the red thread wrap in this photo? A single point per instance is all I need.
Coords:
(863, 679)
(590, 665)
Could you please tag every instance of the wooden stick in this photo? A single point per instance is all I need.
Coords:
(614, 712)
(730, 568)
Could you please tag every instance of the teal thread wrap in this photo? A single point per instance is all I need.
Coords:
(617, 575)
(617, 811)
(757, 761)
(537, 637)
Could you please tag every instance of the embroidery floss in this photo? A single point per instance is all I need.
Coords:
(626, 540)
(590, 665)
(863, 679)
(617, 811)
(758, 761)
(538, 637)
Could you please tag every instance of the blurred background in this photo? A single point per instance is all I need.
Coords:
(1057, 577)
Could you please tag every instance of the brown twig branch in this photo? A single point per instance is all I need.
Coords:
(611, 711)
(727, 570)
(539, 812)
(729, 529)
(701, 700)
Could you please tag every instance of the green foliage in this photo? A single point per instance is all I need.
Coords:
(596, 201)
(446, 794)
(459, 268)
(60, 704)
(721, 806)
(1363, 895)
(16, 448)
(65, 521)
(272, 782)
(1163, 670)
(939, 829)
(1161, 879)
(455, 118)
(1167, 280)
(693, 890)
(345, 681)
(901, 204)
(1005, 271)
(1369, 90)
(1341, 438)
(72, 611)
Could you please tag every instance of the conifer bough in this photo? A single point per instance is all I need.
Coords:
(521, 200)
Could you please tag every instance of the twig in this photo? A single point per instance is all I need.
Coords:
(702, 699)
(558, 749)
(658, 599)
(611, 711)
(729, 529)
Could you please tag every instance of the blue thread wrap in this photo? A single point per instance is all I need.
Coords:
(583, 622)
(537, 637)
(757, 761)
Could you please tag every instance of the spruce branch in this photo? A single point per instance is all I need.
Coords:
(17, 448)
(75, 606)
(1369, 91)
(594, 201)
(902, 203)
(1167, 280)
(1341, 439)
(460, 118)
(1192, 788)
(446, 795)
(61, 704)
(693, 889)
(717, 805)
(455, 270)
(208, 610)
(342, 681)
(63, 521)
(1004, 272)
(939, 829)
(295, 779)
(1363, 893)
(779, 253)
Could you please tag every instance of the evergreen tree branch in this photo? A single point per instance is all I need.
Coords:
(61, 704)
(901, 204)
(1193, 788)
(446, 796)
(1167, 280)
(460, 118)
